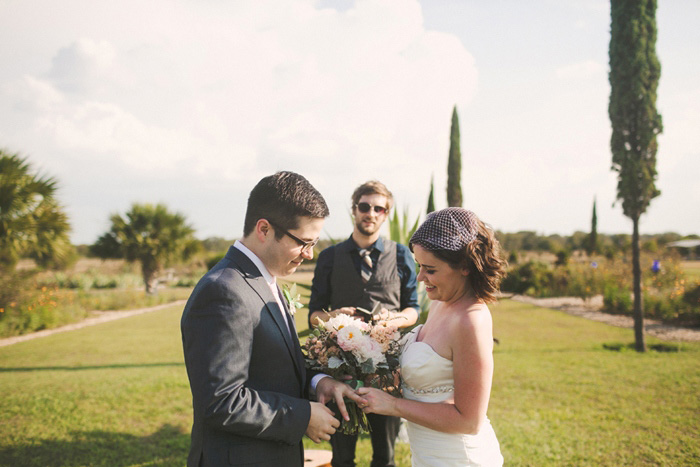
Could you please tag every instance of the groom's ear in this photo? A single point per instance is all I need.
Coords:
(263, 230)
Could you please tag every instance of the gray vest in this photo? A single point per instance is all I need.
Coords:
(347, 288)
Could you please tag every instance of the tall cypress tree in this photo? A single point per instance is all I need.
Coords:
(431, 198)
(454, 165)
(593, 238)
(634, 77)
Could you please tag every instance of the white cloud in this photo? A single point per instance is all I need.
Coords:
(82, 63)
(190, 103)
(224, 93)
(29, 94)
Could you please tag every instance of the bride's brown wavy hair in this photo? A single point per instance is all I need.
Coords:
(483, 258)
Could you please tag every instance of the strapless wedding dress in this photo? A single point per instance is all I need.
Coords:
(427, 377)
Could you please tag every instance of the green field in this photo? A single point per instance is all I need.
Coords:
(116, 394)
(691, 270)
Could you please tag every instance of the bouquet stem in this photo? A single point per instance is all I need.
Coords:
(358, 423)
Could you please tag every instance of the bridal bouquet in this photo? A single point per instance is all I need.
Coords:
(344, 345)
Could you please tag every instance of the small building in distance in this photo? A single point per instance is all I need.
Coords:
(689, 249)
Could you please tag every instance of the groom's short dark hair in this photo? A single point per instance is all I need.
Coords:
(281, 199)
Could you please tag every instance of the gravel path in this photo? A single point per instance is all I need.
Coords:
(590, 309)
(571, 305)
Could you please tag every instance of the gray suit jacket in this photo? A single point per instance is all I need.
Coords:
(249, 385)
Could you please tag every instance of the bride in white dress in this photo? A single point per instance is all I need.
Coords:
(447, 363)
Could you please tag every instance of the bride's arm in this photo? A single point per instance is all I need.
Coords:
(472, 355)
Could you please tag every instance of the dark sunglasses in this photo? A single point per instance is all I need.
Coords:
(365, 207)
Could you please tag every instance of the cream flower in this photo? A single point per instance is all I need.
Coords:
(350, 338)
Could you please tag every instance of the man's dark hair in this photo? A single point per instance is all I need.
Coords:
(281, 199)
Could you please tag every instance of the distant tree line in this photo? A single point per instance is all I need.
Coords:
(527, 241)
(607, 244)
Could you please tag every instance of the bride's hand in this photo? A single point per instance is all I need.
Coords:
(378, 401)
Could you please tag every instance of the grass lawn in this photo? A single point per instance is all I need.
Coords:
(691, 269)
(116, 394)
(560, 398)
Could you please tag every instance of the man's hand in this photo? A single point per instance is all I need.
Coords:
(400, 319)
(328, 389)
(383, 316)
(346, 310)
(318, 316)
(322, 423)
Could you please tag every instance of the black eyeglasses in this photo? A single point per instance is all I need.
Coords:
(305, 246)
(365, 207)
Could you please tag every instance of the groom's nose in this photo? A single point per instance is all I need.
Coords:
(309, 254)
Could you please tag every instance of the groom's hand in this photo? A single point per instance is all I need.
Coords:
(329, 389)
(322, 423)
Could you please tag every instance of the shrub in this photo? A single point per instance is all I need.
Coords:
(213, 259)
(617, 299)
(563, 257)
(91, 280)
(36, 309)
(530, 278)
(27, 306)
(186, 282)
(585, 280)
(513, 257)
(105, 282)
(668, 295)
(692, 295)
(658, 306)
(12, 283)
(690, 315)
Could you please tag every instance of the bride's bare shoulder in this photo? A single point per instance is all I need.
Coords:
(473, 314)
(472, 321)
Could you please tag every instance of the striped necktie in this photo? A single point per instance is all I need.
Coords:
(366, 264)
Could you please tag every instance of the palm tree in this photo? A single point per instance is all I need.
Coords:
(32, 223)
(150, 235)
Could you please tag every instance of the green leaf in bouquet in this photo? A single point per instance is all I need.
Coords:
(335, 362)
(367, 366)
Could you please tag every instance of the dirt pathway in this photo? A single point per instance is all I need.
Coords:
(571, 305)
(96, 318)
(590, 309)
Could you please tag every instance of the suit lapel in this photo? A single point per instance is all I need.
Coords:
(257, 282)
(298, 357)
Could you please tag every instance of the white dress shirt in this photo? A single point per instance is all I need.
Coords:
(269, 278)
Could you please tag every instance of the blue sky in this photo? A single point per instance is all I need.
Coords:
(190, 103)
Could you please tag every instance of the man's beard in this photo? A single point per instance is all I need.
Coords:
(365, 231)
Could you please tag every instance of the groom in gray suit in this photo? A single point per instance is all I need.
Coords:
(250, 390)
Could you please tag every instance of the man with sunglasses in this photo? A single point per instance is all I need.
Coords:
(362, 272)
(250, 390)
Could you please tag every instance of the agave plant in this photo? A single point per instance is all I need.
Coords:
(400, 232)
